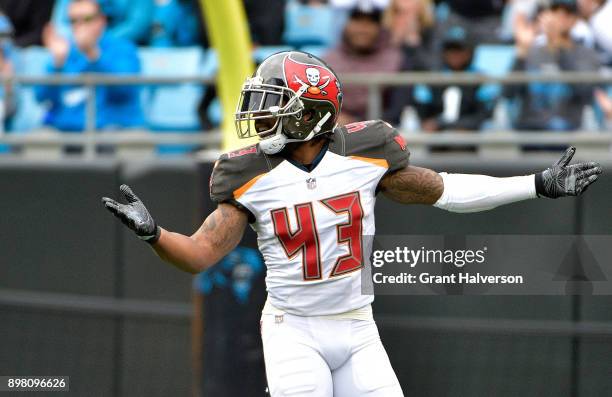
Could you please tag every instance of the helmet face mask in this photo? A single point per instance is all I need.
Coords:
(292, 97)
(260, 103)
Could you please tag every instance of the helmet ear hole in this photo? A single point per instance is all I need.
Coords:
(308, 116)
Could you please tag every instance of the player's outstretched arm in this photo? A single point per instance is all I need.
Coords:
(413, 185)
(219, 234)
(473, 193)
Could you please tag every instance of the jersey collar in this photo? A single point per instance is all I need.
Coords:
(315, 162)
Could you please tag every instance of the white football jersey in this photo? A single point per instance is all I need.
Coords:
(311, 223)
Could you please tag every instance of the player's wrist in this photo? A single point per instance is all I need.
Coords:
(151, 238)
(539, 184)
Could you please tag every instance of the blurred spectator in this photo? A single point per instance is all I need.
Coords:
(342, 8)
(126, 19)
(364, 48)
(483, 17)
(266, 21)
(28, 18)
(92, 50)
(552, 106)
(605, 103)
(598, 13)
(455, 107)
(411, 25)
(525, 13)
(7, 94)
(176, 23)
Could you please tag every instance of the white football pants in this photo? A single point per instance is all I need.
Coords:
(321, 357)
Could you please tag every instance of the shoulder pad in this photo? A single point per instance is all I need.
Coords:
(374, 139)
(234, 170)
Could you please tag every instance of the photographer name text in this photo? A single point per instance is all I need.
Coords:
(457, 278)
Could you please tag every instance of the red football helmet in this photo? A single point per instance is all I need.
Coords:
(293, 97)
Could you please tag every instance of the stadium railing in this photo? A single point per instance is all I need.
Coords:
(177, 310)
(493, 142)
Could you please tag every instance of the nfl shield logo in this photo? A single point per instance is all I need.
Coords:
(311, 183)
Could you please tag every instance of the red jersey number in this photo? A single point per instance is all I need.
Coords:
(305, 239)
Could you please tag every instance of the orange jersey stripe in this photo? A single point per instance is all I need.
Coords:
(379, 162)
(243, 189)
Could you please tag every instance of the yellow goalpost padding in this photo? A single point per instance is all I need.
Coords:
(228, 32)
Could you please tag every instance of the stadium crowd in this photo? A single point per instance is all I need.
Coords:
(42, 37)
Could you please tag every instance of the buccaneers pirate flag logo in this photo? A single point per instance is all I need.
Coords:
(319, 81)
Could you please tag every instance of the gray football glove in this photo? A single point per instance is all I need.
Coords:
(134, 215)
(563, 179)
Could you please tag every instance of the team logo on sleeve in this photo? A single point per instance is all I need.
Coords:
(319, 82)
(400, 141)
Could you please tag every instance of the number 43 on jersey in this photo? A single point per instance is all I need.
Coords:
(305, 239)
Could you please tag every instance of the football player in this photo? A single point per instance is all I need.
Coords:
(308, 188)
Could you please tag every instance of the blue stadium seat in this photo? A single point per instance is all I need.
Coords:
(494, 60)
(172, 107)
(261, 53)
(30, 61)
(309, 25)
(210, 64)
(316, 50)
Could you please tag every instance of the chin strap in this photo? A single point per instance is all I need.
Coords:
(278, 141)
(275, 143)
